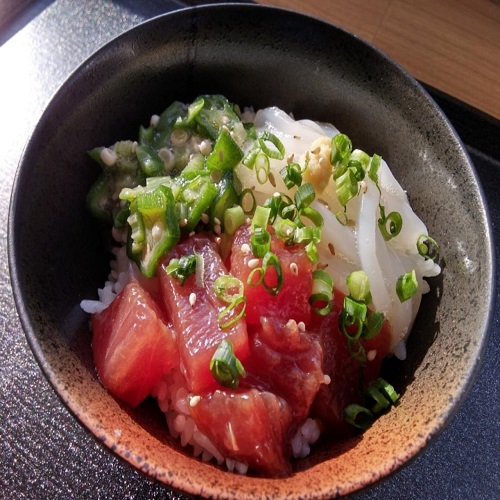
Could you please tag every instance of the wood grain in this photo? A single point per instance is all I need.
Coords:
(452, 45)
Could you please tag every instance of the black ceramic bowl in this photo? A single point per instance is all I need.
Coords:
(255, 56)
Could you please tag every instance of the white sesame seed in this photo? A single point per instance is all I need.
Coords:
(245, 248)
(217, 229)
(217, 221)
(302, 326)
(326, 379)
(183, 222)
(294, 268)
(204, 218)
(371, 355)
(253, 263)
(272, 180)
(192, 299)
(192, 233)
(292, 326)
(277, 194)
(194, 401)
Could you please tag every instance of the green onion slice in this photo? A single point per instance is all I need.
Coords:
(182, 268)
(249, 158)
(340, 148)
(271, 260)
(407, 286)
(227, 288)
(358, 416)
(262, 167)
(322, 292)
(359, 286)
(276, 153)
(387, 389)
(347, 186)
(361, 157)
(227, 317)
(374, 168)
(246, 196)
(234, 217)
(341, 216)
(284, 229)
(373, 325)
(225, 367)
(390, 226)
(260, 242)
(428, 248)
(260, 218)
(381, 402)
(306, 234)
(313, 215)
(291, 175)
(304, 196)
(257, 272)
(312, 252)
(357, 350)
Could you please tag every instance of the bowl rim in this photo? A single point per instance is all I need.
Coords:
(14, 269)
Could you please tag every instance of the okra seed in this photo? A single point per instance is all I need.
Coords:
(108, 157)
(166, 155)
(154, 120)
(178, 137)
(205, 147)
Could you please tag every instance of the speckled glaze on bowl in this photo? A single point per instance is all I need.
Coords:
(255, 56)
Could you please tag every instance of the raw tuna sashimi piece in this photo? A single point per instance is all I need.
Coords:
(291, 302)
(347, 375)
(194, 310)
(286, 361)
(249, 426)
(132, 345)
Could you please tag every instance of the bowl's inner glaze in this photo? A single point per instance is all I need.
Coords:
(260, 57)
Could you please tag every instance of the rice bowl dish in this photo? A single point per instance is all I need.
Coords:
(366, 96)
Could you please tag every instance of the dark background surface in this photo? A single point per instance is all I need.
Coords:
(44, 451)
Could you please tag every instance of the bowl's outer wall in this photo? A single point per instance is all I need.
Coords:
(260, 57)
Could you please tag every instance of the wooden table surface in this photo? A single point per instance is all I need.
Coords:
(452, 45)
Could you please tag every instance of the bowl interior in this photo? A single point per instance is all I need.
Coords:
(255, 56)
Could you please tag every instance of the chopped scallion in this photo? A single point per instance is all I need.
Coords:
(407, 286)
(276, 153)
(428, 248)
(358, 416)
(359, 286)
(260, 218)
(260, 241)
(390, 226)
(225, 367)
(322, 292)
(304, 196)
